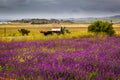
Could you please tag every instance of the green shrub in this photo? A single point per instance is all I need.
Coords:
(101, 27)
(24, 31)
(39, 23)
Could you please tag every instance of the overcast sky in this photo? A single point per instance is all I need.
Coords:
(58, 8)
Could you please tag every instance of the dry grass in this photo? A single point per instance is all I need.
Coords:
(77, 30)
(14, 25)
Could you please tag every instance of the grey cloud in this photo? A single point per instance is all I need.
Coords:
(93, 5)
(59, 6)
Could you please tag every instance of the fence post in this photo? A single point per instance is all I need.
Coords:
(4, 31)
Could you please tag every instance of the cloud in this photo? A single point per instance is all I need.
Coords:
(60, 7)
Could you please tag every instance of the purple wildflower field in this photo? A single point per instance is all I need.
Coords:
(61, 59)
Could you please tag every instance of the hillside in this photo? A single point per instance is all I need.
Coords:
(42, 21)
(114, 19)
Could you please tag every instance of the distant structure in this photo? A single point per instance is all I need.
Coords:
(4, 22)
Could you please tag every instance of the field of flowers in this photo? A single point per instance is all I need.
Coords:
(61, 59)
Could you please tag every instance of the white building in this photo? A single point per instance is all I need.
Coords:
(4, 22)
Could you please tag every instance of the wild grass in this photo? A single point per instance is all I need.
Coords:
(9, 32)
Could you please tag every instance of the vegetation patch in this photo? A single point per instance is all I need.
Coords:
(101, 27)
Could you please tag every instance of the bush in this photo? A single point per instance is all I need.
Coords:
(24, 31)
(39, 23)
(101, 27)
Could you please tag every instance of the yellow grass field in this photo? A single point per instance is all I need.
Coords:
(10, 31)
(14, 25)
(11, 25)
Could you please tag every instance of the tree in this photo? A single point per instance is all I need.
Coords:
(101, 27)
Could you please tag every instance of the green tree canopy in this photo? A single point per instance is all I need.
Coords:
(100, 26)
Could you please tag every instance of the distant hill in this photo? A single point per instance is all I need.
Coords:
(113, 19)
(42, 21)
(115, 16)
